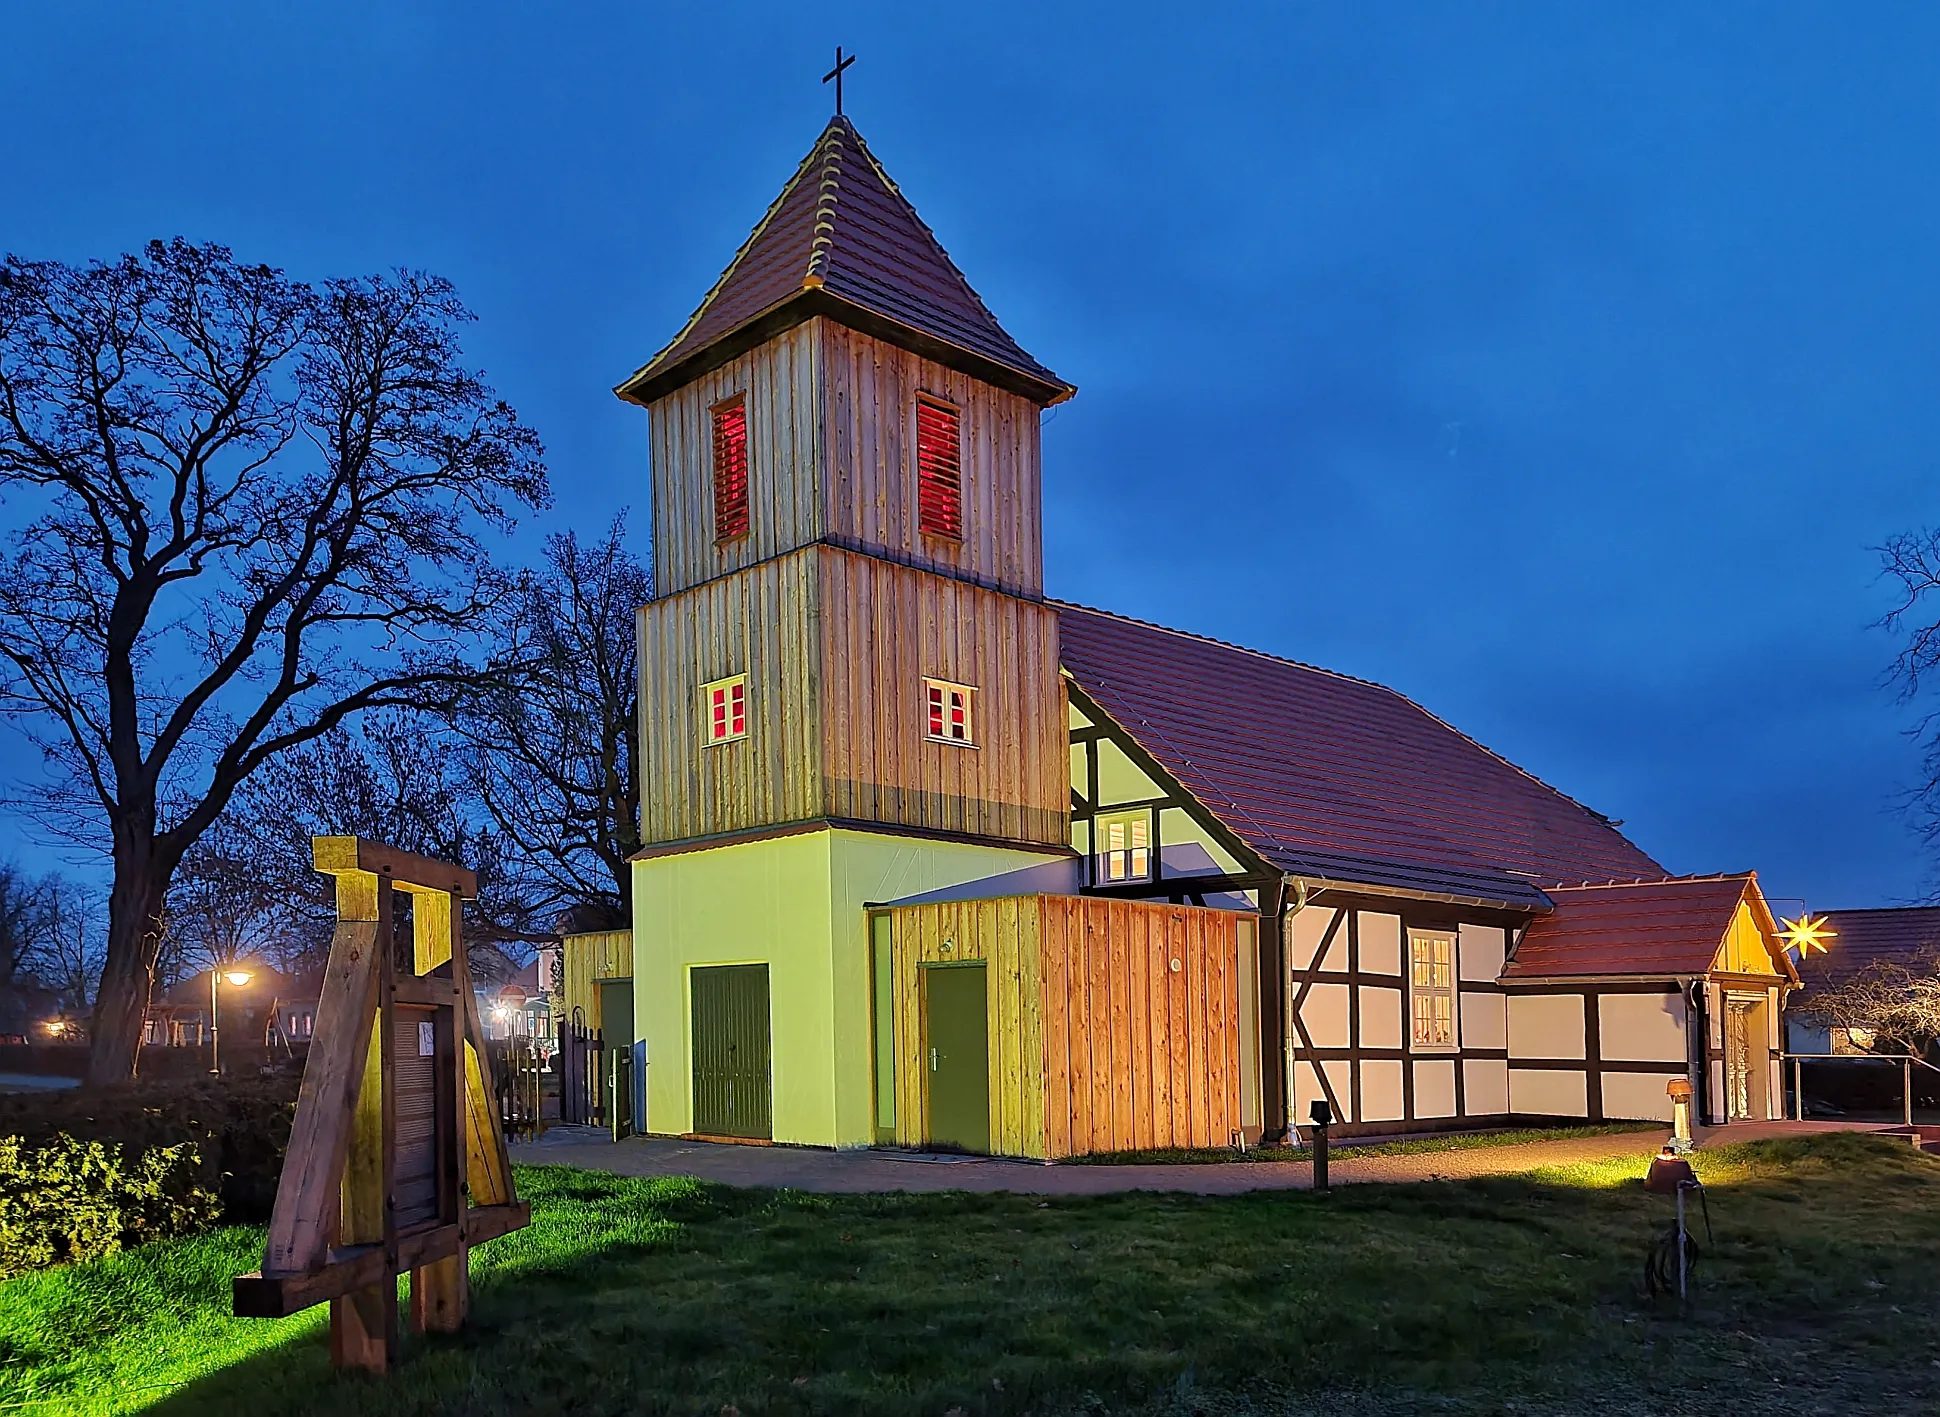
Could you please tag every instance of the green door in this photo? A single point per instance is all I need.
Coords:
(956, 1033)
(731, 1083)
(616, 1012)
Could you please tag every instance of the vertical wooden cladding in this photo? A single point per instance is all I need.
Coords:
(587, 959)
(1139, 1054)
(1097, 1043)
(871, 390)
(886, 627)
(1003, 934)
(780, 390)
(761, 623)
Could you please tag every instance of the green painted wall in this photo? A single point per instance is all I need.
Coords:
(794, 903)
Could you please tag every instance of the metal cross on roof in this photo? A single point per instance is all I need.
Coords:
(836, 74)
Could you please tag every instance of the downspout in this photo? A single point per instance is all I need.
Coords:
(1700, 1051)
(1291, 903)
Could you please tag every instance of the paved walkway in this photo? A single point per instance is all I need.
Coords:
(812, 1169)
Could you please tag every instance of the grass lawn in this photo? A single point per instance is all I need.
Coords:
(1503, 1294)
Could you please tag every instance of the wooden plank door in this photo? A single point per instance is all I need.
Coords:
(732, 1086)
(956, 1032)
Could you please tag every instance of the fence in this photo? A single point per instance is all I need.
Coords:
(520, 1075)
(581, 1062)
(1906, 1061)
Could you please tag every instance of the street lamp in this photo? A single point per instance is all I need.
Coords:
(238, 978)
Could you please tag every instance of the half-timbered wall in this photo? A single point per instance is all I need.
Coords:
(885, 628)
(869, 412)
(781, 383)
(1352, 1043)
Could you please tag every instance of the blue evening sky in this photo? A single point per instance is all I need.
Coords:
(1559, 365)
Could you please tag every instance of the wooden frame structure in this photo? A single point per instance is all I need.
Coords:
(396, 1160)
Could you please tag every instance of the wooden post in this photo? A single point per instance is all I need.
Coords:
(1906, 1071)
(363, 1324)
(441, 1290)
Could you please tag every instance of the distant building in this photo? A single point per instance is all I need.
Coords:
(273, 1010)
(1904, 935)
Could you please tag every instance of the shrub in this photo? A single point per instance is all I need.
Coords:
(71, 1200)
(236, 1128)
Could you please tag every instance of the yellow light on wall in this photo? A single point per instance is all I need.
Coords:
(1808, 933)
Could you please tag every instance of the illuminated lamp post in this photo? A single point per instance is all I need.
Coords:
(1680, 1090)
(237, 978)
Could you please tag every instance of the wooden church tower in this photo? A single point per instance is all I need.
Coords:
(850, 687)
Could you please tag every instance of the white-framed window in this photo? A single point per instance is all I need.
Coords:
(949, 712)
(724, 710)
(1125, 847)
(1431, 990)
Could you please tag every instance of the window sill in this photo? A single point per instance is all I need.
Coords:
(948, 742)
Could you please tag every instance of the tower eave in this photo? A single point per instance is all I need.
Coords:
(655, 380)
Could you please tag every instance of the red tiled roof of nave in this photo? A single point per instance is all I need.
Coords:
(1670, 926)
(842, 238)
(1335, 779)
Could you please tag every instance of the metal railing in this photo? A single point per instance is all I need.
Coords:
(1907, 1062)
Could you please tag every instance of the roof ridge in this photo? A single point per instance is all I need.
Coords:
(1551, 886)
(1351, 679)
(822, 244)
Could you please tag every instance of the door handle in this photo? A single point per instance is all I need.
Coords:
(932, 1060)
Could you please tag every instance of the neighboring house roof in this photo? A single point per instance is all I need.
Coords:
(1662, 928)
(1334, 779)
(1904, 935)
(841, 240)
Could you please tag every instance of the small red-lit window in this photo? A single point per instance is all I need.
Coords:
(949, 712)
(939, 470)
(726, 704)
(730, 470)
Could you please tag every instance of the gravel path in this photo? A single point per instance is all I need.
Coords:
(811, 1169)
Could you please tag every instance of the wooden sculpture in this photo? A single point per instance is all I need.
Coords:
(396, 1160)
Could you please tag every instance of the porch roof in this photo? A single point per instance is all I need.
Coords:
(1672, 926)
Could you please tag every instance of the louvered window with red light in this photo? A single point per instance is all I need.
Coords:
(949, 707)
(939, 470)
(730, 469)
(724, 707)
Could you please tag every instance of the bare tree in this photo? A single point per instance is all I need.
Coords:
(72, 943)
(1897, 1005)
(552, 756)
(23, 921)
(248, 886)
(252, 512)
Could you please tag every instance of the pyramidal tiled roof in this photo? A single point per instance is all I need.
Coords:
(841, 240)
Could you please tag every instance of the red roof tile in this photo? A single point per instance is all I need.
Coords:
(1904, 935)
(1662, 927)
(1335, 779)
(841, 240)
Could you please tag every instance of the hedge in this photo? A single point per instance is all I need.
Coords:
(70, 1200)
(236, 1130)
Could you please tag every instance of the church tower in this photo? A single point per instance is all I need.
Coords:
(850, 689)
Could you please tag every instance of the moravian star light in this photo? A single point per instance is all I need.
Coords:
(1808, 933)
